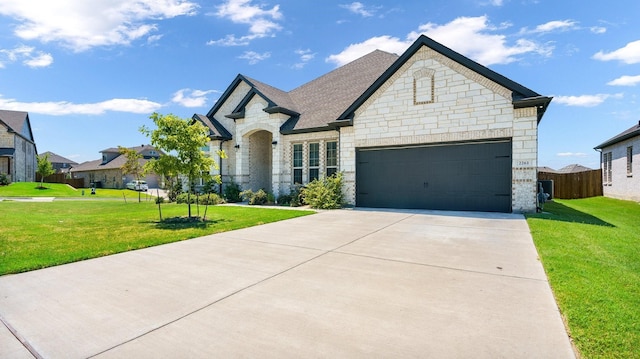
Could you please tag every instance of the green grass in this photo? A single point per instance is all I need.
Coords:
(37, 235)
(32, 189)
(590, 249)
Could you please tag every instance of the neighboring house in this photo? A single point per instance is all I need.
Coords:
(427, 129)
(107, 172)
(620, 160)
(60, 164)
(18, 153)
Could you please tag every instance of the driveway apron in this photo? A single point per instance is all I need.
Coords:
(344, 283)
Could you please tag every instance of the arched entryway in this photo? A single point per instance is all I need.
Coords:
(260, 160)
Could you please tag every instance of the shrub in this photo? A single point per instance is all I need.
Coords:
(4, 180)
(174, 189)
(325, 193)
(297, 195)
(159, 200)
(232, 192)
(255, 198)
(210, 199)
(186, 198)
(284, 199)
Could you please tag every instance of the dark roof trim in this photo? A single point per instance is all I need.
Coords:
(216, 130)
(539, 102)
(7, 152)
(235, 115)
(225, 95)
(307, 130)
(625, 135)
(519, 92)
(279, 109)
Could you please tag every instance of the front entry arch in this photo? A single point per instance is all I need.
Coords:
(260, 160)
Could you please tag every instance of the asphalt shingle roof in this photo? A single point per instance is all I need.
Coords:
(624, 135)
(16, 121)
(55, 158)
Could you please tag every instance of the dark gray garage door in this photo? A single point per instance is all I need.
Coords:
(465, 176)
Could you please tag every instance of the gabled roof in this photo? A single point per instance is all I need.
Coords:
(17, 122)
(314, 105)
(625, 135)
(114, 163)
(55, 158)
(521, 96)
(332, 99)
(216, 130)
(574, 168)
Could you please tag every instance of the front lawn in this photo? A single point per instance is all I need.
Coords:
(60, 190)
(590, 249)
(37, 235)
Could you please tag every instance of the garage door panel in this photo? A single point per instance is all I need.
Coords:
(471, 176)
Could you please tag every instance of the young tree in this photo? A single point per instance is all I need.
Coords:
(45, 168)
(132, 166)
(182, 141)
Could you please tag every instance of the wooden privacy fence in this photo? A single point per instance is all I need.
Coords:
(574, 185)
(62, 178)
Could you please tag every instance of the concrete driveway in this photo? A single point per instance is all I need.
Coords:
(346, 283)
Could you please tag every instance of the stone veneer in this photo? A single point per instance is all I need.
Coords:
(466, 106)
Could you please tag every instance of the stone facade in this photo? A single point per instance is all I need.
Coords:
(463, 107)
(430, 95)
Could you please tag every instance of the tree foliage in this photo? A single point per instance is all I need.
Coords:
(182, 141)
(132, 165)
(45, 168)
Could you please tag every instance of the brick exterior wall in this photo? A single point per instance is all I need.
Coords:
(623, 185)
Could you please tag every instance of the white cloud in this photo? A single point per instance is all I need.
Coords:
(584, 100)
(359, 9)
(305, 57)
(254, 57)
(262, 23)
(61, 108)
(571, 154)
(27, 55)
(598, 29)
(354, 51)
(555, 25)
(81, 25)
(630, 54)
(625, 81)
(471, 36)
(191, 98)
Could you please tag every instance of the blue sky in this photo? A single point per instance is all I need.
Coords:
(91, 72)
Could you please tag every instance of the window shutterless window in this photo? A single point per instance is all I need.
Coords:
(331, 162)
(297, 163)
(606, 163)
(314, 161)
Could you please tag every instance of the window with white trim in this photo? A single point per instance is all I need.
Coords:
(297, 163)
(606, 162)
(331, 160)
(630, 161)
(314, 161)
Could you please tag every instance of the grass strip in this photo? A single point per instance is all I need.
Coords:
(590, 250)
(39, 235)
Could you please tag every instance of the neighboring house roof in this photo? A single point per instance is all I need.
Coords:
(55, 158)
(115, 163)
(216, 130)
(547, 169)
(625, 135)
(17, 122)
(574, 168)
